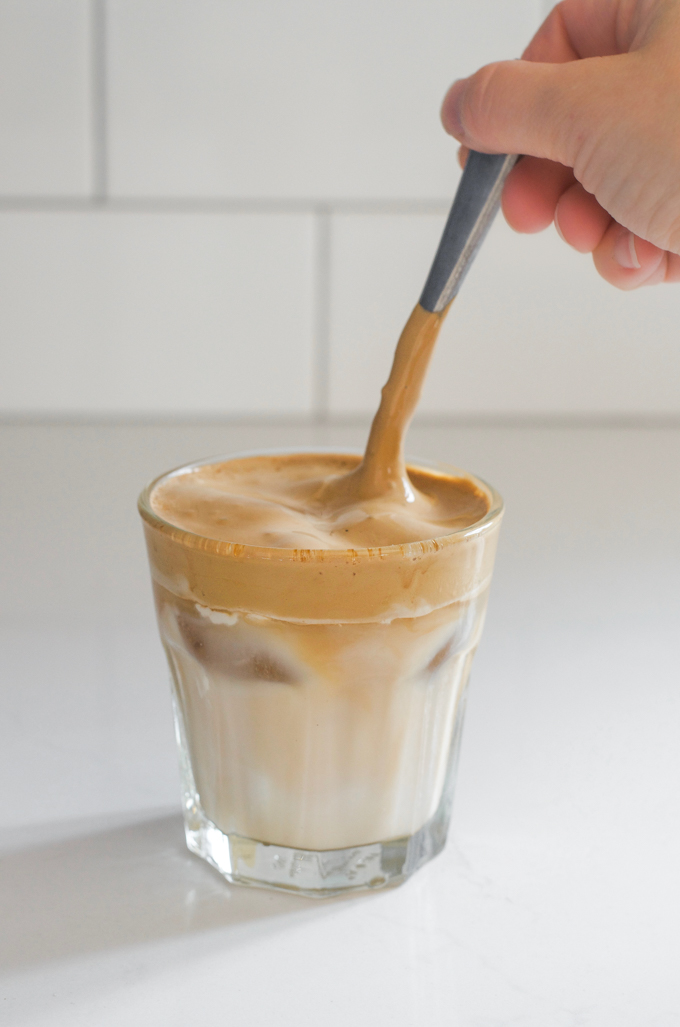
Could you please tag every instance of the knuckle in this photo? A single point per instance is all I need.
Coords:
(476, 108)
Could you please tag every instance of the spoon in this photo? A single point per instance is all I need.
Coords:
(477, 199)
(474, 207)
(382, 474)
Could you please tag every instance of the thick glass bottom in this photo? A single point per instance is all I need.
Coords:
(317, 874)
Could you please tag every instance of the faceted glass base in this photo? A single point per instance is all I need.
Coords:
(317, 874)
(321, 873)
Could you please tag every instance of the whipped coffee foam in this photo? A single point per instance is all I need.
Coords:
(283, 502)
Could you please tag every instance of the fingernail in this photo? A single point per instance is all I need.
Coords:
(625, 253)
(558, 229)
(451, 119)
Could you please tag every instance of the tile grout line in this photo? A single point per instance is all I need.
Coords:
(321, 325)
(556, 422)
(196, 205)
(99, 106)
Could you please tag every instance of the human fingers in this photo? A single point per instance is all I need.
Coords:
(580, 220)
(627, 261)
(544, 110)
(586, 28)
(597, 28)
(600, 28)
(591, 28)
(551, 43)
(531, 193)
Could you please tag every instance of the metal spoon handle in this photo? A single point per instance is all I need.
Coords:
(474, 207)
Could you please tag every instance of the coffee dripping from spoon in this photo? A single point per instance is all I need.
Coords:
(382, 476)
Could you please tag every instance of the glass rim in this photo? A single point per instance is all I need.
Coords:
(220, 547)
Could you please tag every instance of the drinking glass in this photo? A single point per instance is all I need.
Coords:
(319, 695)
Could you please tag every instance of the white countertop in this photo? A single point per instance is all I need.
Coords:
(557, 899)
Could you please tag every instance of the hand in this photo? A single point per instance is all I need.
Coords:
(595, 104)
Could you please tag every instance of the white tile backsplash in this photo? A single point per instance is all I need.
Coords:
(297, 99)
(533, 331)
(208, 120)
(45, 98)
(156, 313)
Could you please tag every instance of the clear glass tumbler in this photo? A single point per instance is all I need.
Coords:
(318, 752)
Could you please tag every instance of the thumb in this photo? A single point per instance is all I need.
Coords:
(523, 107)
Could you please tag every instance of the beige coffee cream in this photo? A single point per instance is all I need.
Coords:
(320, 613)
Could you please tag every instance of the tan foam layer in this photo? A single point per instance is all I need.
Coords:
(283, 502)
(376, 583)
